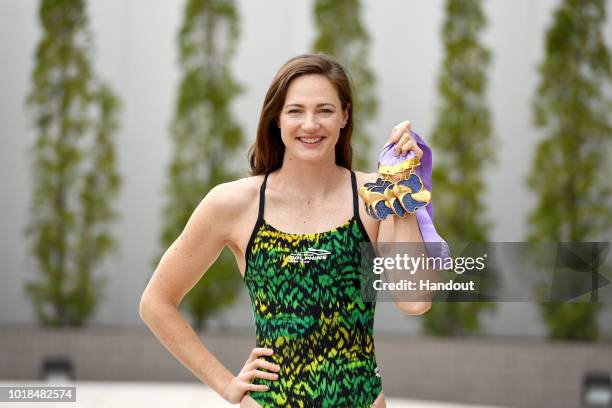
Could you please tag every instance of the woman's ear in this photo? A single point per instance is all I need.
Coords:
(345, 115)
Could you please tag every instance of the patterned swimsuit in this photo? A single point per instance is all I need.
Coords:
(308, 307)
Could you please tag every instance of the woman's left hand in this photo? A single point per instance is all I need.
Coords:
(404, 142)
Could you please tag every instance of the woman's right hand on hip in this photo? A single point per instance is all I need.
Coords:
(241, 384)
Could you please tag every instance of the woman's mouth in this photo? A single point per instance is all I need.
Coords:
(311, 140)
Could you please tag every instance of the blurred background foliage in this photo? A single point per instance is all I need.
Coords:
(570, 172)
(75, 177)
(464, 148)
(205, 140)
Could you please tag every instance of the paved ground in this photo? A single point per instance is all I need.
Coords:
(177, 395)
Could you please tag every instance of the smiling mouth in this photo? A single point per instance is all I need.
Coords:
(311, 140)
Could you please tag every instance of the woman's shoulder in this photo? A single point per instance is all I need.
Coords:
(235, 201)
(236, 196)
(363, 177)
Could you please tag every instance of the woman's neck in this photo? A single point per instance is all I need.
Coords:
(309, 180)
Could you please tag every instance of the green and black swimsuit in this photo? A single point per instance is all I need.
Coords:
(308, 307)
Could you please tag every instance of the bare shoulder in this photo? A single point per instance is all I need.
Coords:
(235, 197)
(363, 177)
(235, 193)
(232, 212)
(212, 226)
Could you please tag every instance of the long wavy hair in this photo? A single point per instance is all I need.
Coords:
(266, 154)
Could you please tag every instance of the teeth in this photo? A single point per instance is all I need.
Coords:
(310, 140)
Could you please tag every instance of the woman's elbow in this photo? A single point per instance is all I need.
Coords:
(153, 303)
(414, 308)
(144, 307)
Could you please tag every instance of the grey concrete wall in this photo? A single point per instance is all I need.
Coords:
(513, 373)
(135, 50)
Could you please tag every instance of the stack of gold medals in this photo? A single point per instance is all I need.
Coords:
(398, 189)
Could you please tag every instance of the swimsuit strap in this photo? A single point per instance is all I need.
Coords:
(355, 199)
(356, 207)
(262, 198)
(262, 204)
(260, 215)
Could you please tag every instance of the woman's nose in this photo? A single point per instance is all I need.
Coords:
(310, 123)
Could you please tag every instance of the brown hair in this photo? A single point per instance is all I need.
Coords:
(267, 152)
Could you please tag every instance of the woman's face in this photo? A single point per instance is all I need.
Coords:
(311, 119)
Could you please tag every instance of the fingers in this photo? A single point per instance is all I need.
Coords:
(260, 363)
(255, 387)
(405, 139)
(259, 352)
(411, 145)
(405, 124)
(252, 374)
(244, 385)
(241, 384)
(262, 351)
(392, 138)
(251, 370)
(398, 132)
(246, 378)
(406, 144)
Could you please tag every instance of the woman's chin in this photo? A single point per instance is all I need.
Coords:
(312, 157)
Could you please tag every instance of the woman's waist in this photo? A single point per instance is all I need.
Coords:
(354, 352)
(339, 362)
(319, 327)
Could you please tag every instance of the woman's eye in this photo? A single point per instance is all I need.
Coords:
(326, 111)
(293, 111)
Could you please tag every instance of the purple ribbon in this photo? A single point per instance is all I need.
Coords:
(424, 214)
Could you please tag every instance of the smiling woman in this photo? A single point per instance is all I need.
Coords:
(296, 228)
(309, 98)
(316, 126)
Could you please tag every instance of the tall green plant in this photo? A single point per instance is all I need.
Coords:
(570, 172)
(205, 136)
(342, 35)
(74, 167)
(463, 141)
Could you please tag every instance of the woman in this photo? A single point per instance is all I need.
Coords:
(295, 228)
